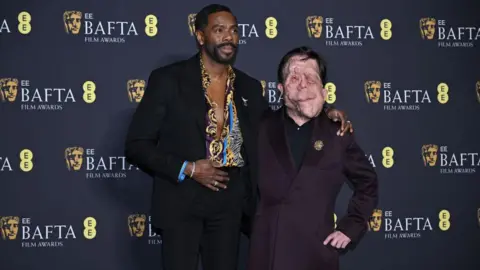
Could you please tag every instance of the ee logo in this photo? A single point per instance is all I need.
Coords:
(387, 154)
(151, 28)
(271, 27)
(331, 89)
(26, 163)
(90, 232)
(444, 217)
(89, 95)
(442, 90)
(24, 19)
(386, 29)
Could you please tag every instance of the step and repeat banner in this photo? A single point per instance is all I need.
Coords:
(407, 74)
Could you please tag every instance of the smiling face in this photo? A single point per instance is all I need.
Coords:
(219, 40)
(303, 88)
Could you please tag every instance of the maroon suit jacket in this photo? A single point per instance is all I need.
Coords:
(295, 212)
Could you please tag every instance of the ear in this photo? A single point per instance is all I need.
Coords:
(324, 93)
(200, 37)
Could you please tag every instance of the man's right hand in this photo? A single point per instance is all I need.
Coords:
(207, 173)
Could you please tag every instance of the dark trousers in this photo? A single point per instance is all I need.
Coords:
(211, 231)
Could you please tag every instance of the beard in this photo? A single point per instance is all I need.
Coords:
(213, 51)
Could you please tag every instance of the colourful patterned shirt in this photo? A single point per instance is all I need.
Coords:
(227, 149)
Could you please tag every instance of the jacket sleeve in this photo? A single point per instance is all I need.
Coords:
(259, 108)
(143, 133)
(363, 180)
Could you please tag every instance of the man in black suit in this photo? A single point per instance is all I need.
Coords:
(195, 133)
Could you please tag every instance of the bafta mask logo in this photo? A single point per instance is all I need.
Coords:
(191, 23)
(8, 89)
(74, 158)
(136, 89)
(375, 222)
(314, 26)
(136, 224)
(427, 28)
(72, 21)
(264, 86)
(9, 227)
(372, 91)
(477, 88)
(429, 154)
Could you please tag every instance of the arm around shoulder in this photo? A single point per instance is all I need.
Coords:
(143, 132)
(364, 182)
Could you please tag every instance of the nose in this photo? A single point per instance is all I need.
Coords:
(303, 83)
(227, 36)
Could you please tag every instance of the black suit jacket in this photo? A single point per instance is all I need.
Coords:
(168, 127)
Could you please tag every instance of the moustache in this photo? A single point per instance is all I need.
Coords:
(227, 44)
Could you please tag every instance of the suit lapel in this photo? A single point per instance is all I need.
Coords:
(279, 143)
(241, 104)
(191, 85)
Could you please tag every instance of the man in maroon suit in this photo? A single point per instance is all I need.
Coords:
(302, 167)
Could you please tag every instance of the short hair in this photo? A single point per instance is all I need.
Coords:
(201, 19)
(308, 53)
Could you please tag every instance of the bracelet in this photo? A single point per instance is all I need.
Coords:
(193, 170)
(181, 175)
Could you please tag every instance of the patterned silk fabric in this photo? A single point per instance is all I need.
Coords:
(226, 149)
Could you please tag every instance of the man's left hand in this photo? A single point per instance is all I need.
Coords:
(338, 240)
(337, 115)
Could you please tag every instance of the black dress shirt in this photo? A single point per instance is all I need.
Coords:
(298, 138)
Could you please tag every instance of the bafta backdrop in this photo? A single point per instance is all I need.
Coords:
(72, 73)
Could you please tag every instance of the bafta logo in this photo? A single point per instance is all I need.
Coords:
(264, 86)
(72, 21)
(191, 23)
(427, 28)
(477, 88)
(136, 89)
(372, 91)
(314, 26)
(375, 222)
(136, 224)
(429, 154)
(8, 89)
(9, 227)
(74, 158)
